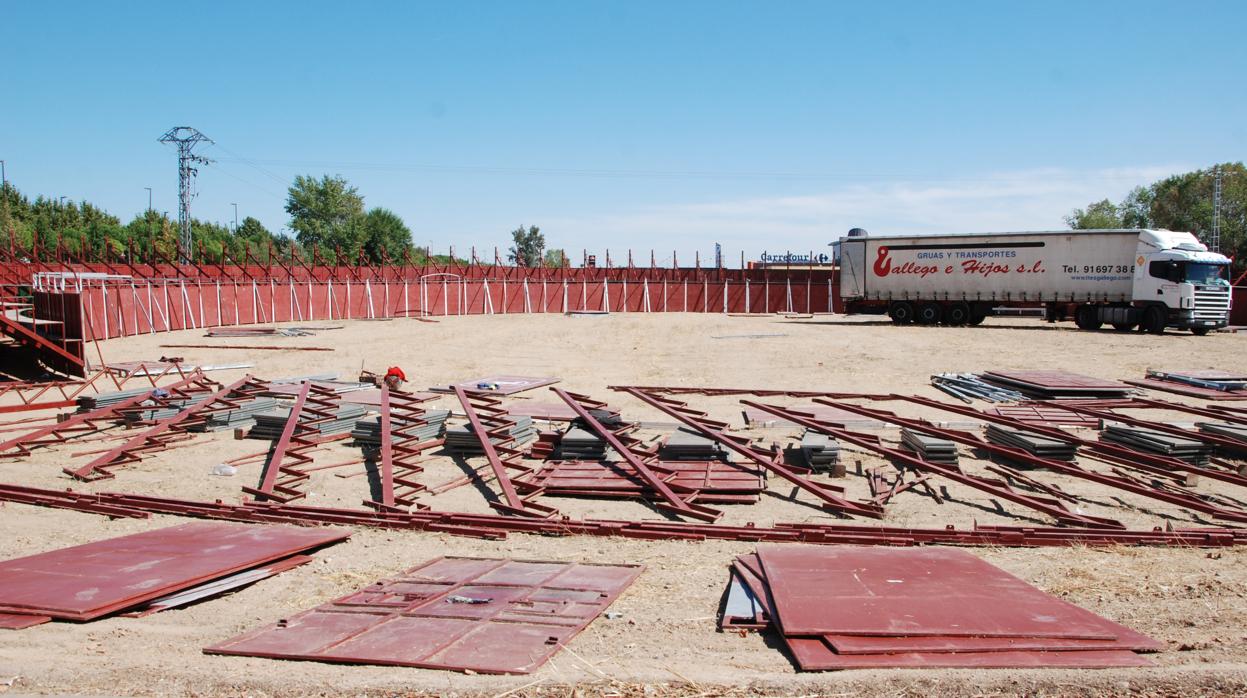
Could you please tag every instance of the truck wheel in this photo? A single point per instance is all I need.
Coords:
(1123, 326)
(1087, 318)
(901, 312)
(929, 314)
(957, 314)
(1154, 320)
(1199, 331)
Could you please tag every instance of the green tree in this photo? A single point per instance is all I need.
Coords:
(529, 246)
(325, 213)
(555, 258)
(1183, 202)
(384, 231)
(1101, 214)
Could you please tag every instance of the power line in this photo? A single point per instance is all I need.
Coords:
(641, 173)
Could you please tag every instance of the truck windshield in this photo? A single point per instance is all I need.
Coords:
(1200, 273)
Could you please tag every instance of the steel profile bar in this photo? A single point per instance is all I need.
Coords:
(153, 439)
(494, 526)
(387, 450)
(83, 421)
(829, 494)
(1185, 499)
(268, 482)
(1051, 507)
(671, 501)
(514, 503)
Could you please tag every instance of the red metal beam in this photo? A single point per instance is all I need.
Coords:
(514, 503)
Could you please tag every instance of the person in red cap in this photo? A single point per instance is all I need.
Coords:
(394, 378)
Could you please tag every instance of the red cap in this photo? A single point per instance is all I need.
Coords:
(396, 371)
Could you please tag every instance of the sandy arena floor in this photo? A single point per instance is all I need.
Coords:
(665, 643)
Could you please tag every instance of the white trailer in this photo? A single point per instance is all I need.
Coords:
(1151, 279)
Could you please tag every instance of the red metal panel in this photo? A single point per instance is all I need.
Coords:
(87, 581)
(21, 621)
(1064, 381)
(814, 654)
(865, 644)
(525, 611)
(922, 591)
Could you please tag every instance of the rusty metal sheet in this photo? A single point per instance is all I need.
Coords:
(21, 621)
(1057, 380)
(91, 580)
(464, 614)
(923, 591)
(1189, 390)
(549, 411)
(813, 654)
(502, 385)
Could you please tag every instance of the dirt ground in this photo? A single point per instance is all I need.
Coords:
(665, 642)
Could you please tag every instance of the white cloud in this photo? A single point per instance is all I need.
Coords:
(1020, 200)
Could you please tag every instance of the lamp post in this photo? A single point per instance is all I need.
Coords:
(235, 217)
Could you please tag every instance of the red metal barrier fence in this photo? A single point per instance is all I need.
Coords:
(118, 308)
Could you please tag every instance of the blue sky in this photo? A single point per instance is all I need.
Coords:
(673, 125)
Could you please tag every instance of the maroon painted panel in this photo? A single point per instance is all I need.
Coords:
(1189, 390)
(860, 644)
(1060, 380)
(21, 621)
(507, 385)
(813, 654)
(524, 612)
(87, 581)
(924, 591)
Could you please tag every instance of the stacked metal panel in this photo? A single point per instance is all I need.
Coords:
(463, 440)
(270, 425)
(1238, 432)
(1056, 385)
(820, 451)
(1034, 444)
(367, 432)
(86, 403)
(240, 416)
(581, 444)
(89, 581)
(1189, 450)
(684, 444)
(930, 448)
(170, 409)
(843, 607)
(967, 386)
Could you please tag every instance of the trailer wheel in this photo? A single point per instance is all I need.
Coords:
(901, 312)
(1154, 320)
(1087, 318)
(957, 313)
(929, 314)
(979, 313)
(1123, 326)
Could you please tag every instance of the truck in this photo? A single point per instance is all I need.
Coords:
(1128, 279)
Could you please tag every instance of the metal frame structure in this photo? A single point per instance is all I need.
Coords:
(772, 461)
(492, 427)
(158, 436)
(283, 475)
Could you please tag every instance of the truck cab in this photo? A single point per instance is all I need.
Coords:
(1179, 283)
